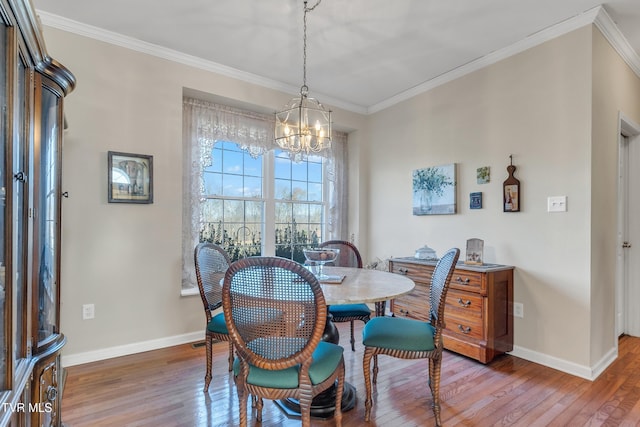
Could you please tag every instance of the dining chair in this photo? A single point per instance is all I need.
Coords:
(412, 339)
(279, 357)
(349, 256)
(211, 263)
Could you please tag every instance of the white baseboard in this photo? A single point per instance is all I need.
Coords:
(586, 372)
(124, 350)
(589, 373)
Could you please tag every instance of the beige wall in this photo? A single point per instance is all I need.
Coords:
(126, 259)
(536, 106)
(543, 106)
(616, 89)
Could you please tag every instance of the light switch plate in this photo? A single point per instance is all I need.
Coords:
(557, 204)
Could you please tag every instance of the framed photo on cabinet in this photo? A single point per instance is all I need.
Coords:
(130, 178)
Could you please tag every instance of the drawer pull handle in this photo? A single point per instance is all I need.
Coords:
(464, 329)
(403, 271)
(461, 280)
(465, 304)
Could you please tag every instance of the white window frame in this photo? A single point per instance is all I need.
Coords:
(206, 121)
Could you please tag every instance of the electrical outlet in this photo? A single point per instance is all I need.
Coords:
(518, 309)
(88, 311)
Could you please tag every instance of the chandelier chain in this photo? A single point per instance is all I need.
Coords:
(303, 127)
(304, 88)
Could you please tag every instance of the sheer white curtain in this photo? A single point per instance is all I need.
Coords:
(204, 123)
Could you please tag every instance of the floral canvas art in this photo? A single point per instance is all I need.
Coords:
(434, 190)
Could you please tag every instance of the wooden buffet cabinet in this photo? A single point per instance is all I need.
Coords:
(479, 306)
(33, 86)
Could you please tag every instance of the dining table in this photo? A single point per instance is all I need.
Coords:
(347, 285)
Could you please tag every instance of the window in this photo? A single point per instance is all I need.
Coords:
(234, 204)
(232, 211)
(299, 205)
(249, 197)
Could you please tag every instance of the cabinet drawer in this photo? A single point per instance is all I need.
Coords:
(417, 273)
(466, 280)
(414, 305)
(469, 327)
(463, 304)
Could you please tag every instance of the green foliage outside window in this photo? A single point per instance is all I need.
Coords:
(289, 241)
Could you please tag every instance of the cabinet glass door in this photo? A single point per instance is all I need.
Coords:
(48, 227)
(4, 340)
(19, 201)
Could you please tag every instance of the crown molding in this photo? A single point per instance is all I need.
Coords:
(614, 36)
(597, 15)
(533, 40)
(75, 27)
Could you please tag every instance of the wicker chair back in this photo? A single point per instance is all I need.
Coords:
(211, 263)
(275, 311)
(349, 255)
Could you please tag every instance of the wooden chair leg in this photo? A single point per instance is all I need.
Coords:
(230, 356)
(430, 382)
(434, 371)
(337, 414)
(259, 405)
(366, 367)
(375, 368)
(242, 400)
(207, 377)
(353, 340)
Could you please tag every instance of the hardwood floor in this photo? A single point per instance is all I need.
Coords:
(163, 388)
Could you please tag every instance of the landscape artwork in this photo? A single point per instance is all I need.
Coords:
(434, 190)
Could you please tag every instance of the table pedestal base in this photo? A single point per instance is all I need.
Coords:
(323, 405)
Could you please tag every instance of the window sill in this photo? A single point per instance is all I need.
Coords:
(189, 292)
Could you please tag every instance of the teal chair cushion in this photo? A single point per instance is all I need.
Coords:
(218, 325)
(326, 359)
(349, 310)
(398, 333)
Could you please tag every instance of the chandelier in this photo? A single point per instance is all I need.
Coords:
(303, 126)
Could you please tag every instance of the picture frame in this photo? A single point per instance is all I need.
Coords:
(483, 175)
(511, 191)
(475, 252)
(130, 178)
(434, 190)
(475, 200)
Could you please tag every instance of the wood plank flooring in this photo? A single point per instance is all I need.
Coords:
(163, 388)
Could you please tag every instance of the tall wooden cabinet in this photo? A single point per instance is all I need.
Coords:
(32, 88)
(478, 310)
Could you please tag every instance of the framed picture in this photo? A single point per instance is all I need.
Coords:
(511, 198)
(475, 200)
(483, 175)
(511, 191)
(475, 250)
(130, 178)
(434, 190)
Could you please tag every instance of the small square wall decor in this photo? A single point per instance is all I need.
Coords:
(475, 200)
(483, 175)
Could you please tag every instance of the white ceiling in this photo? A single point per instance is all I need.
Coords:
(362, 54)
